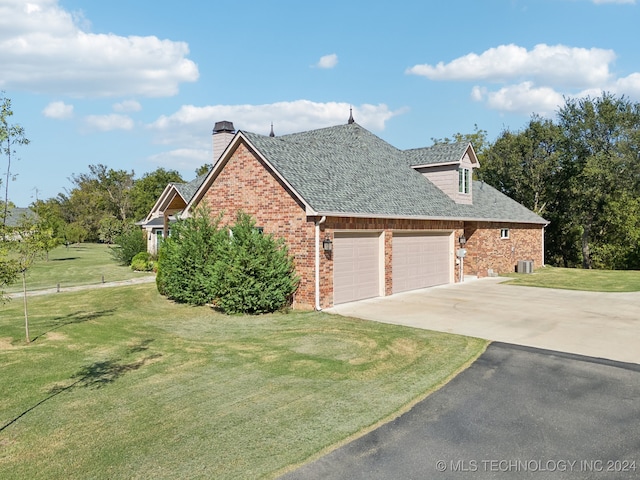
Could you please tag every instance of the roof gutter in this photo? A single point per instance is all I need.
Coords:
(542, 221)
(322, 220)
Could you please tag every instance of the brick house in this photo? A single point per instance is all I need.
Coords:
(363, 218)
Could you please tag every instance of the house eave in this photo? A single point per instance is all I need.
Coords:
(432, 165)
(422, 217)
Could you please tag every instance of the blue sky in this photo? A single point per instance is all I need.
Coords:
(138, 85)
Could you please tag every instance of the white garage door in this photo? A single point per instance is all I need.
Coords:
(356, 266)
(420, 260)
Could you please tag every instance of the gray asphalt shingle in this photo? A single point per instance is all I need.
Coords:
(188, 190)
(346, 169)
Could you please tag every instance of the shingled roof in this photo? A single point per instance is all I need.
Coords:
(440, 153)
(188, 190)
(347, 170)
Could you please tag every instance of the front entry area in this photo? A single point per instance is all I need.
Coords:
(356, 266)
(421, 260)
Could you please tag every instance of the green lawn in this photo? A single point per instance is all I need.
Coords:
(119, 383)
(81, 264)
(579, 279)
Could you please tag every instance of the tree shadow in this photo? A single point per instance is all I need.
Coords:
(72, 318)
(63, 259)
(140, 347)
(95, 375)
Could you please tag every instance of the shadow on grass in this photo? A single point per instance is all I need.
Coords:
(72, 318)
(63, 259)
(95, 375)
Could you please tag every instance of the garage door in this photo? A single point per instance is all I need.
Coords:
(420, 261)
(356, 266)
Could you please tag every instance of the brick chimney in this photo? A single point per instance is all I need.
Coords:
(223, 132)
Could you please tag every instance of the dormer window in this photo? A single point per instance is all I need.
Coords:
(449, 167)
(464, 180)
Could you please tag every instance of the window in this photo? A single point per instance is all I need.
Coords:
(464, 180)
(504, 233)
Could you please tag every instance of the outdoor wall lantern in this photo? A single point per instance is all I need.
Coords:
(462, 240)
(327, 245)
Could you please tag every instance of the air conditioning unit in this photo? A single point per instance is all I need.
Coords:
(524, 266)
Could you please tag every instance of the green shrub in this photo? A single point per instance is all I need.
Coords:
(239, 269)
(128, 244)
(142, 262)
(186, 259)
(254, 272)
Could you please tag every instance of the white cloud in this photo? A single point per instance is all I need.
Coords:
(629, 86)
(58, 110)
(45, 49)
(523, 98)
(106, 123)
(534, 81)
(183, 159)
(558, 64)
(127, 106)
(328, 61)
(192, 125)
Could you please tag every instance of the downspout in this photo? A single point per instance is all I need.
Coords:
(543, 233)
(322, 220)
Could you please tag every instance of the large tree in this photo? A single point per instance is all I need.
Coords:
(600, 166)
(147, 189)
(524, 164)
(101, 193)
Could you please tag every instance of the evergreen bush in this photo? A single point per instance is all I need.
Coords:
(254, 272)
(186, 259)
(238, 269)
(128, 244)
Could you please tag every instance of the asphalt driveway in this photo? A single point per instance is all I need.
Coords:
(605, 325)
(517, 412)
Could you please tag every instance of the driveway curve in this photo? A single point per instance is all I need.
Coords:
(516, 413)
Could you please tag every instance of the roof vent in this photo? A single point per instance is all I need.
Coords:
(272, 134)
(351, 120)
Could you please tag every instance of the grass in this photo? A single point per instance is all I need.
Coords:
(120, 383)
(81, 264)
(579, 279)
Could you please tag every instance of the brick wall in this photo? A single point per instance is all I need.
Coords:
(488, 252)
(246, 184)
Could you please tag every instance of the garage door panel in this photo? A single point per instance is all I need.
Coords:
(356, 271)
(420, 261)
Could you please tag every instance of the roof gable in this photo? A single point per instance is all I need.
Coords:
(347, 170)
(175, 196)
(442, 154)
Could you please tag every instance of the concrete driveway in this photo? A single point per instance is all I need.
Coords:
(605, 325)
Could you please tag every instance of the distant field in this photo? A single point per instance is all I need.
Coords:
(81, 264)
(579, 279)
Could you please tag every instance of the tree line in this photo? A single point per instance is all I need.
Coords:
(580, 170)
